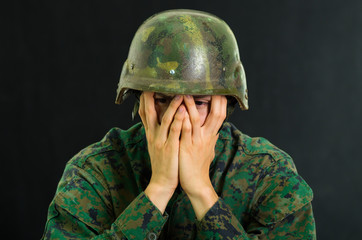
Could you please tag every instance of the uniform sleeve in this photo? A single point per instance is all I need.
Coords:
(82, 209)
(282, 210)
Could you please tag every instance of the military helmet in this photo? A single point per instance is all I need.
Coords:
(184, 52)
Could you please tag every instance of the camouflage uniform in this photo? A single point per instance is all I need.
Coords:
(261, 195)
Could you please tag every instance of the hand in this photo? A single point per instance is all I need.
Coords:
(197, 150)
(163, 147)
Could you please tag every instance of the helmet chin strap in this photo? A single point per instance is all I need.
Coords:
(136, 106)
(135, 109)
(231, 106)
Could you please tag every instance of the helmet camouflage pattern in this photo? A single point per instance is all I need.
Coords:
(184, 52)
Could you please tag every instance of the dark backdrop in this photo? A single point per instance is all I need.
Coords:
(61, 62)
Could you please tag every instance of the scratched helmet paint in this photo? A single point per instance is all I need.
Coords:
(184, 52)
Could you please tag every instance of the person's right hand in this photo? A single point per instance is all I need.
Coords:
(163, 147)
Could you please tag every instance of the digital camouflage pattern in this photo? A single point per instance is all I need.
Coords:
(184, 52)
(261, 195)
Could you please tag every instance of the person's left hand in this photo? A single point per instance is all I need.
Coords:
(197, 150)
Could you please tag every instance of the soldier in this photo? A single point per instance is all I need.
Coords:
(183, 173)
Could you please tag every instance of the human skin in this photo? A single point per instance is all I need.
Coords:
(162, 101)
(181, 134)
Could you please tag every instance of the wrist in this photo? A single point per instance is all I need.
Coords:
(203, 200)
(159, 195)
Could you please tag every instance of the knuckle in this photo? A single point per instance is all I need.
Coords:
(148, 109)
(174, 128)
(158, 145)
(187, 128)
(215, 113)
(166, 119)
(170, 146)
(150, 140)
(197, 118)
(178, 117)
(149, 136)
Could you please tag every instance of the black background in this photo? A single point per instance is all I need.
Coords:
(61, 62)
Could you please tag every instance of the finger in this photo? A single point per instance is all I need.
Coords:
(217, 114)
(186, 132)
(213, 143)
(141, 111)
(169, 116)
(193, 114)
(150, 111)
(175, 128)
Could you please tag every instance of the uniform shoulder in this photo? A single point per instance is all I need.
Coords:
(116, 140)
(279, 190)
(253, 146)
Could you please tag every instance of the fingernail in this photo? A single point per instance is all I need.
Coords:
(188, 96)
(177, 97)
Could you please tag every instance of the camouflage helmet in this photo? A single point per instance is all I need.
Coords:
(184, 52)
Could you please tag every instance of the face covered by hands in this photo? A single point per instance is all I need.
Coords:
(163, 147)
(181, 133)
